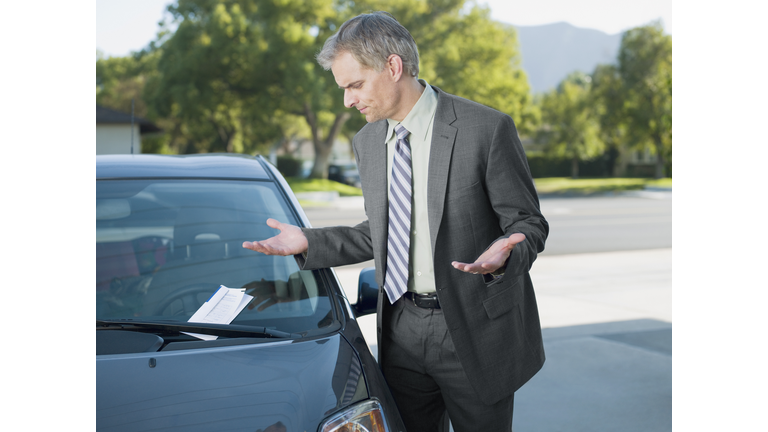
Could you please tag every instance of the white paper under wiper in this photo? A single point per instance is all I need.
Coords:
(222, 308)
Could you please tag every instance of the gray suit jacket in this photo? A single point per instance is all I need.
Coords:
(479, 190)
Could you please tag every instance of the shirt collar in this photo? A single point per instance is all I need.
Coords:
(417, 121)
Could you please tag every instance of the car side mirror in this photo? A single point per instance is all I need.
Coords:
(367, 292)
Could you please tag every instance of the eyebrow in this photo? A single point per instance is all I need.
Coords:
(352, 84)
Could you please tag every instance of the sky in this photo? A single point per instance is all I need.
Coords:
(123, 26)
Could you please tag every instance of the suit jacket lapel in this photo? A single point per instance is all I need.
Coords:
(443, 139)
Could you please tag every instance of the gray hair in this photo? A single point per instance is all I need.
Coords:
(371, 39)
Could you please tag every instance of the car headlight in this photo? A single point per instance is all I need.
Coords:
(366, 416)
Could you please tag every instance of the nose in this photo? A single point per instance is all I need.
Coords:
(349, 98)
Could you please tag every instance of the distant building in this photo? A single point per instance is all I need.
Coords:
(113, 131)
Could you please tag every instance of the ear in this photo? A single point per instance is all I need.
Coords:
(394, 67)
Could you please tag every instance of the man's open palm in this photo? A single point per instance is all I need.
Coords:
(290, 241)
(493, 258)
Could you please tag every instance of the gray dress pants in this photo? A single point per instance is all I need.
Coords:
(427, 379)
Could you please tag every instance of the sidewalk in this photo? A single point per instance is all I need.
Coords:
(607, 326)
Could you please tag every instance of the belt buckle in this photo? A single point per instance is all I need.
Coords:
(430, 301)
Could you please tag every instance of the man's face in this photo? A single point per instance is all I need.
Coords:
(373, 93)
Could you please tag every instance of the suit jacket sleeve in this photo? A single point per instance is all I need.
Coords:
(336, 246)
(513, 197)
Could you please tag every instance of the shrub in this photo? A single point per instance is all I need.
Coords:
(289, 166)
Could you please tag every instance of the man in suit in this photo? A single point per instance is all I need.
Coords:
(458, 326)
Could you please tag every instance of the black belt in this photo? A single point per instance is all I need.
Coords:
(426, 301)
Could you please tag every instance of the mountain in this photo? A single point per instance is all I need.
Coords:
(552, 51)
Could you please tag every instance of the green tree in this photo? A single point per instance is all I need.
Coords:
(243, 73)
(645, 66)
(121, 81)
(607, 98)
(222, 71)
(237, 74)
(570, 123)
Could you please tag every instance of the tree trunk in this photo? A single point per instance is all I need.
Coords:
(323, 147)
(226, 135)
(660, 161)
(575, 167)
(620, 166)
(322, 157)
(273, 149)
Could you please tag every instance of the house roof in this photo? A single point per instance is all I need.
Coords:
(106, 115)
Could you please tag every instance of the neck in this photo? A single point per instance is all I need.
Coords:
(411, 92)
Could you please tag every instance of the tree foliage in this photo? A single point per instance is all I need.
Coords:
(645, 66)
(621, 107)
(121, 81)
(607, 98)
(572, 127)
(240, 75)
(230, 70)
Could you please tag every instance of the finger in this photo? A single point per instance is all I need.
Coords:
(473, 268)
(254, 245)
(482, 267)
(260, 247)
(459, 265)
(274, 223)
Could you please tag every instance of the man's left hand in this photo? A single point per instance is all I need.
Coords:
(492, 259)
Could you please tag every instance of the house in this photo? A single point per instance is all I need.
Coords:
(113, 131)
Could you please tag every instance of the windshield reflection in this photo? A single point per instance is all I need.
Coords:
(163, 247)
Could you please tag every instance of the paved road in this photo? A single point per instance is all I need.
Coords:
(631, 221)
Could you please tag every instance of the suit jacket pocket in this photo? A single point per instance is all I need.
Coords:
(503, 301)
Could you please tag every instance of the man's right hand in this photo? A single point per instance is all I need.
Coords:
(290, 241)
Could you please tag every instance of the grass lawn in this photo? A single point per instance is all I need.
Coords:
(318, 185)
(589, 186)
(549, 186)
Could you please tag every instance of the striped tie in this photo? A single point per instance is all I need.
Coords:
(399, 236)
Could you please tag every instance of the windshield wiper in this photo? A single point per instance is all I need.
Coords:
(226, 330)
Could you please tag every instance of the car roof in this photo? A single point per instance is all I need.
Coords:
(210, 165)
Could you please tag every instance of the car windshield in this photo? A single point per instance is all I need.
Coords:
(163, 247)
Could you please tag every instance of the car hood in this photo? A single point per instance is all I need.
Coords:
(281, 386)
